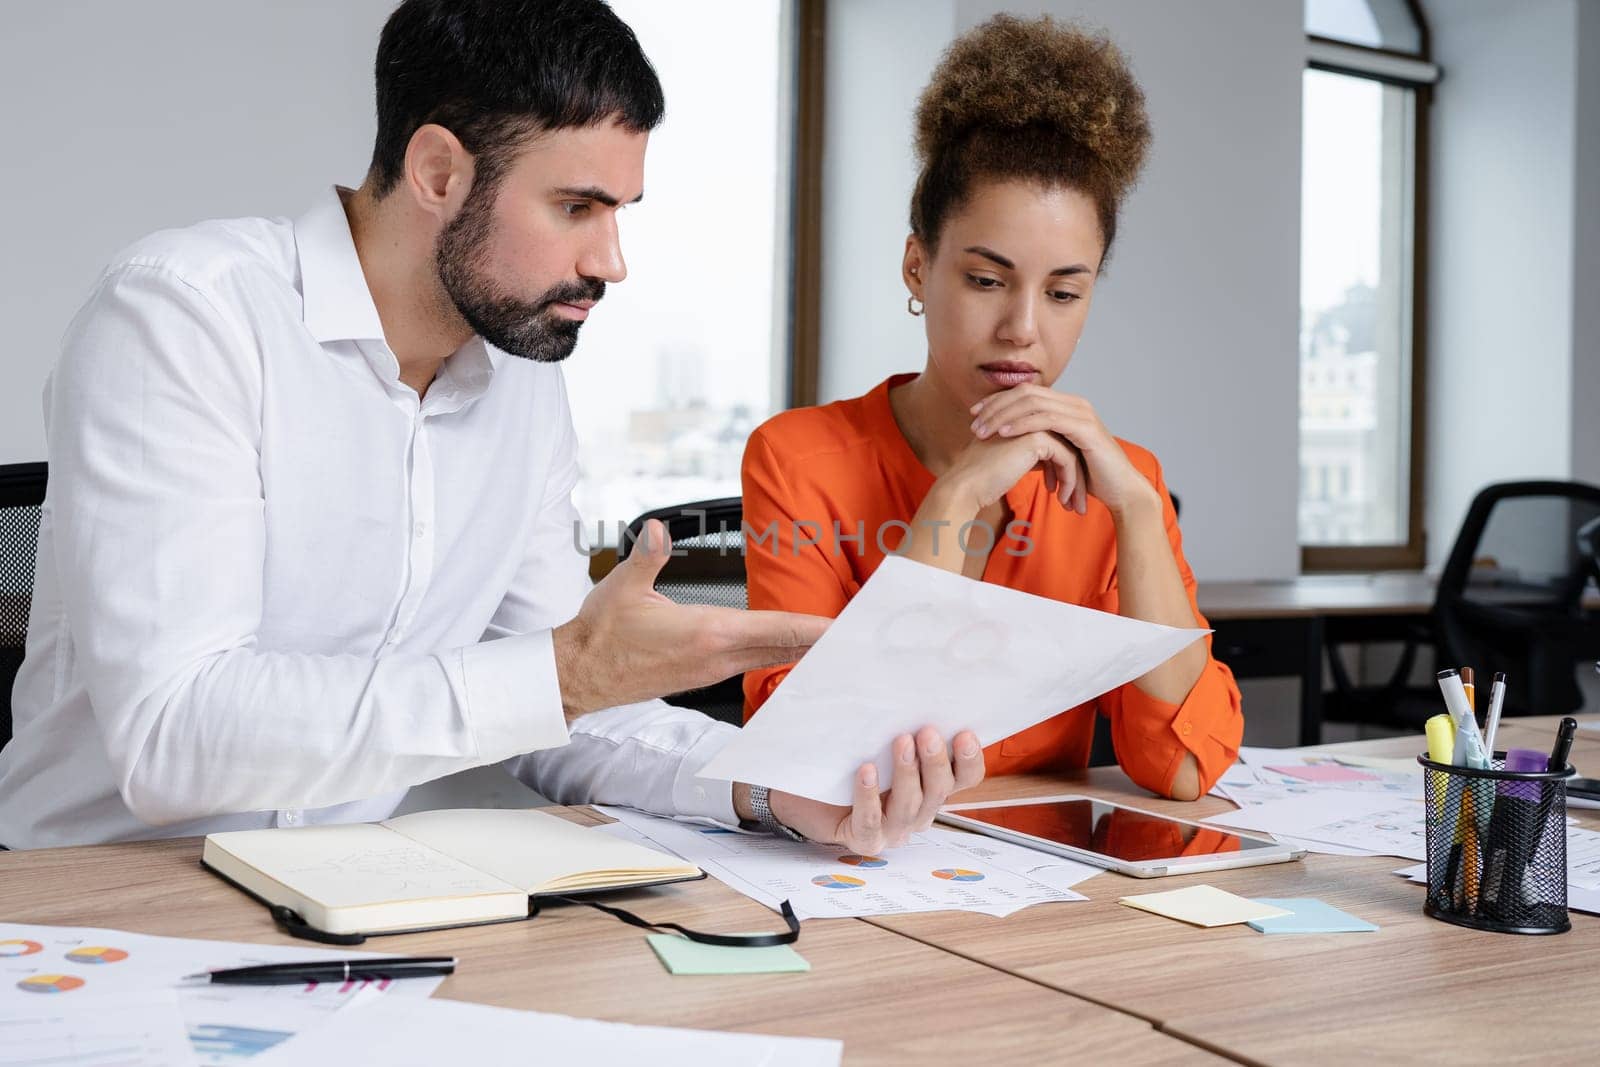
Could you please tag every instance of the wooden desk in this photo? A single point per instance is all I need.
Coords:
(1319, 595)
(1274, 629)
(890, 999)
(1418, 991)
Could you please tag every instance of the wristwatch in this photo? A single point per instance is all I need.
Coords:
(764, 819)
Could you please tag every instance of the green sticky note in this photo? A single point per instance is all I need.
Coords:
(679, 955)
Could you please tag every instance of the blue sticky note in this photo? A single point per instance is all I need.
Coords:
(1309, 916)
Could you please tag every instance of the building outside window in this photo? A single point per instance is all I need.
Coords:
(1365, 94)
(683, 359)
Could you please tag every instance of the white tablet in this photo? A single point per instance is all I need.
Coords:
(1129, 840)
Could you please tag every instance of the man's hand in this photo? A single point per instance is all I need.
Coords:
(630, 643)
(924, 777)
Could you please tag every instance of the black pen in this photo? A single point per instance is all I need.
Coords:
(1564, 735)
(367, 970)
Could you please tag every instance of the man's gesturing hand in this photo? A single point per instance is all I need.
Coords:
(630, 643)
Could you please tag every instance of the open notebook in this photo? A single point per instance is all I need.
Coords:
(432, 868)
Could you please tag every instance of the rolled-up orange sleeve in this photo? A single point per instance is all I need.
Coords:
(1152, 736)
(781, 573)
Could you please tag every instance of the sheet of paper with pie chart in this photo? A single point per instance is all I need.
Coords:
(920, 646)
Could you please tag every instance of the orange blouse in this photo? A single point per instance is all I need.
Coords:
(842, 475)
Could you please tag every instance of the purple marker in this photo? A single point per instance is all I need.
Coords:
(1515, 829)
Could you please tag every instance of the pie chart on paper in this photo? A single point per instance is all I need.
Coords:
(19, 948)
(97, 954)
(958, 874)
(50, 983)
(837, 881)
(863, 861)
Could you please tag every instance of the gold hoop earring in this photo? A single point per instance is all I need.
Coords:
(914, 306)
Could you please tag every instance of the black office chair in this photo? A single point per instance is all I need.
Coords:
(1588, 541)
(711, 532)
(1509, 599)
(21, 495)
(1511, 593)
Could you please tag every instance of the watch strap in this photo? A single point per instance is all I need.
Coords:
(764, 818)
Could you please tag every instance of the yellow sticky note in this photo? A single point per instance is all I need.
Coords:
(1203, 905)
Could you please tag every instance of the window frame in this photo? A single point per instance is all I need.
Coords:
(805, 68)
(1414, 71)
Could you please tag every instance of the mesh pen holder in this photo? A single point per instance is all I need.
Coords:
(1497, 847)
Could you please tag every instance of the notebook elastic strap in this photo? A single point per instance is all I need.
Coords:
(291, 923)
(727, 940)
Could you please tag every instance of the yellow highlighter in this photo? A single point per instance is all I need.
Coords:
(1441, 731)
(1441, 738)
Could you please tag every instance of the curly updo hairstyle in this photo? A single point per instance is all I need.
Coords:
(1034, 100)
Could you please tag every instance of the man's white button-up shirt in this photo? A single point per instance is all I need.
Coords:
(275, 587)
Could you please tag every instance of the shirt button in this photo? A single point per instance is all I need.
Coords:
(420, 530)
(290, 818)
(1186, 729)
(699, 792)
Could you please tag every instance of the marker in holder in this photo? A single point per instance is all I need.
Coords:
(1497, 846)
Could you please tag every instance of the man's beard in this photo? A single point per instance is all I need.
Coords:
(530, 329)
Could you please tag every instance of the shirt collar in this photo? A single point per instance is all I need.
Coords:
(338, 306)
(337, 303)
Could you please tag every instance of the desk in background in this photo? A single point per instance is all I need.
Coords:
(1275, 629)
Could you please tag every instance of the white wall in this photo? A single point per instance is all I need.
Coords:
(878, 56)
(1191, 347)
(1502, 289)
(124, 118)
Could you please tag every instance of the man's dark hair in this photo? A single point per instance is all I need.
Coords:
(497, 72)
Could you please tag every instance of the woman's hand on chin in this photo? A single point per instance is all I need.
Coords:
(1022, 411)
(986, 469)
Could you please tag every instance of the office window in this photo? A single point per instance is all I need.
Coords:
(683, 359)
(1360, 285)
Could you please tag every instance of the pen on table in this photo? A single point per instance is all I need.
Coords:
(366, 970)
(1491, 723)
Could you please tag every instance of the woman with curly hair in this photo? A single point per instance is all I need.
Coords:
(1028, 137)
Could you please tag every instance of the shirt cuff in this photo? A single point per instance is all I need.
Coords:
(513, 697)
(709, 799)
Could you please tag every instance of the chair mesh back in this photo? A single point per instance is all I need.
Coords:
(19, 541)
(1530, 548)
(729, 594)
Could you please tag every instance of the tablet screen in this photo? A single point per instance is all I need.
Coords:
(1121, 833)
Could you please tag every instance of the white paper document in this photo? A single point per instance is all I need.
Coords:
(939, 870)
(918, 646)
(113, 1030)
(226, 1024)
(453, 1032)
(1377, 824)
(1583, 858)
